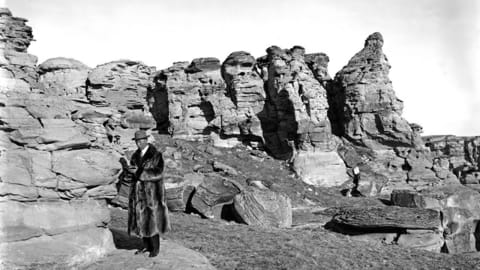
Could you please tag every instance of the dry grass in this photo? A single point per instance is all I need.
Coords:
(235, 246)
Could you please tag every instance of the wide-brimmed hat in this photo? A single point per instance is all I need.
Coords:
(140, 134)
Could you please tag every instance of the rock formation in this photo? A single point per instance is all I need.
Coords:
(457, 155)
(460, 211)
(275, 101)
(53, 185)
(64, 77)
(17, 67)
(368, 110)
(185, 89)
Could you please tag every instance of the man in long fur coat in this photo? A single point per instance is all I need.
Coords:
(147, 208)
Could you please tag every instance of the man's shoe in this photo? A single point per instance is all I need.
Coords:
(153, 253)
(155, 243)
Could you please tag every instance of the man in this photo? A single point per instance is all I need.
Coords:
(147, 210)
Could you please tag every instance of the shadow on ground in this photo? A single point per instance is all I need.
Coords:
(122, 240)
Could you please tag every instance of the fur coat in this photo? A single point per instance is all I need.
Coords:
(147, 207)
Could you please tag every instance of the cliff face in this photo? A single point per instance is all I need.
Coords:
(274, 102)
(53, 185)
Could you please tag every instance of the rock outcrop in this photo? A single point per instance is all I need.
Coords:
(53, 184)
(369, 111)
(182, 98)
(63, 77)
(365, 111)
(460, 210)
(456, 155)
(17, 67)
(275, 101)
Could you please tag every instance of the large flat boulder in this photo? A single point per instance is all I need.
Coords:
(393, 217)
(62, 251)
(50, 218)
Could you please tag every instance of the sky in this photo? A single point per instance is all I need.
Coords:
(433, 46)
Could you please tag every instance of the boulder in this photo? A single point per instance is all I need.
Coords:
(62, 251)
(426, 240)
(263, 208)
(322, 169)
(393, 217)
(63, 77)
(459, 230)
(214, 192)
(221, 167)
(19, 220)
(175, 187)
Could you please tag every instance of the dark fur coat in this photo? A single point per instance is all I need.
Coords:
(147, 207)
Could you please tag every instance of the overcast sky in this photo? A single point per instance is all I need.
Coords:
(432, 45)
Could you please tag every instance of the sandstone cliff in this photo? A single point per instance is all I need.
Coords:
(53, 185)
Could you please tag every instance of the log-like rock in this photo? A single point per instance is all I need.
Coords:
(394, 217)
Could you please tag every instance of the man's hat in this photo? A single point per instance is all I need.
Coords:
(140, 134)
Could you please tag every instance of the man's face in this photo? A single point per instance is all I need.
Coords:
(141, 144)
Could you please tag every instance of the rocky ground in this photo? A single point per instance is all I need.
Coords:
(307, 245)
(229, 245)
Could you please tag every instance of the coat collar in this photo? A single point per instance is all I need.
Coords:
(148, 155)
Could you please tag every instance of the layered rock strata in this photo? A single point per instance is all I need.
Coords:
(182, 94)
(460, 210)
(17, 67)
(366, 112)
(275, 101)
(457, 155)
(53, 183)
(407, 227)
(369, 111)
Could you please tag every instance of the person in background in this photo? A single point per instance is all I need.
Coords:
(147, 209)
(356, 180)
